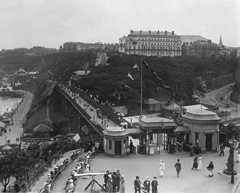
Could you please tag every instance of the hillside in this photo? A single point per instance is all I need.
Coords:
(165, 76)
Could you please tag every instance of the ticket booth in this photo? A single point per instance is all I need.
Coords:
(115, 141)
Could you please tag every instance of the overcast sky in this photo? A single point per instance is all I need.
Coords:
(50, 23)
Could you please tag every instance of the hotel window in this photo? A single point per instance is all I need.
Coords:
(110, 144)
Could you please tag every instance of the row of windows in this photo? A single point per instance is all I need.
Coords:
(154, 48)
(162, 53)
(156, 39)
(153, 43)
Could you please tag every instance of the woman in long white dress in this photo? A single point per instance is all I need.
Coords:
(199, 162)
(161, 168)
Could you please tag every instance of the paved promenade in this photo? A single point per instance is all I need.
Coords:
(190, 181)
(18, 118)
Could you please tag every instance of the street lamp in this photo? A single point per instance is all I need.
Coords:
(230, 164)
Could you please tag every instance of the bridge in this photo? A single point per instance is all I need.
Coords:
(97, 115)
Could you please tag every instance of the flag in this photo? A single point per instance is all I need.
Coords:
(130, 76)
(117, 94)
(76, 137)
(136, 66)
(145, 64)
(125, 85)
(85, 129)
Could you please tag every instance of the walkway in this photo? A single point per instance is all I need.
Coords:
(190, 181)
(18, 118)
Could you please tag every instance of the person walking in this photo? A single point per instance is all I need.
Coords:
(122, 184)
(195, 162)
(154, 185)
(210, 168)
(137, 185)
(161, 168)
(222, 149)
(199, 162)
(178, 167)
(146, 184)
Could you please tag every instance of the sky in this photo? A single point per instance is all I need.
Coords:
(50, 23)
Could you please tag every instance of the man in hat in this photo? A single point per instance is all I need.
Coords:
(137, 185)
(154, 184)
(147, 184)
(114, 179)
(105, 176)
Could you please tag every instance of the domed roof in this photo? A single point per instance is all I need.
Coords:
(201, 114)
(115, 131)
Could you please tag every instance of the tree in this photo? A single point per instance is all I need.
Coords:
(6, 169)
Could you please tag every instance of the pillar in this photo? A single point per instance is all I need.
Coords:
(147, 143)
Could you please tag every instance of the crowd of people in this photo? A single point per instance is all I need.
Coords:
(53, 175)
(114, 181)
(83, 166)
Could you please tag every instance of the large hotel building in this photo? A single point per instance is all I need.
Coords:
(151, 43)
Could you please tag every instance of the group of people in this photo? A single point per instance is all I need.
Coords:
(114, 181)
(146, 185)
(83, 166)
(197, 162)
(53, 175)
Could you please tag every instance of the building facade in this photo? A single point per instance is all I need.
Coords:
(200, 49)
(151, 43)
(80, 46)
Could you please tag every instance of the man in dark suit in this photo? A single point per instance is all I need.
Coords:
(137, 185)
(147, 184)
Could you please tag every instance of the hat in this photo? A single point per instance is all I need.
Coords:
(155, 177)
(49, 174)
(147, 178)
(114, 170)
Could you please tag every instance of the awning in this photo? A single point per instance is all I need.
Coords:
(134, 130)
(182, 129)
(209, 131)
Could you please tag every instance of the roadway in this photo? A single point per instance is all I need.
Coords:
(220, 97)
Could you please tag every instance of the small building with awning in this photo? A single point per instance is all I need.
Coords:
(204, 127)
(116, 140)
(157, 131)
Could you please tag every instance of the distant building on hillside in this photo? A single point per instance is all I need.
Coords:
(80, 46)
(40, 51)
(200, 49)
(151, 43)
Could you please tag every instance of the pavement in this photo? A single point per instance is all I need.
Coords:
(15, 131)
(190, 181)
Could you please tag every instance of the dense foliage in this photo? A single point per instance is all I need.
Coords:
(181, 74)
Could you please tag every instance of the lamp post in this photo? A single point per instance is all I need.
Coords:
(232, 142)
(230, 164)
